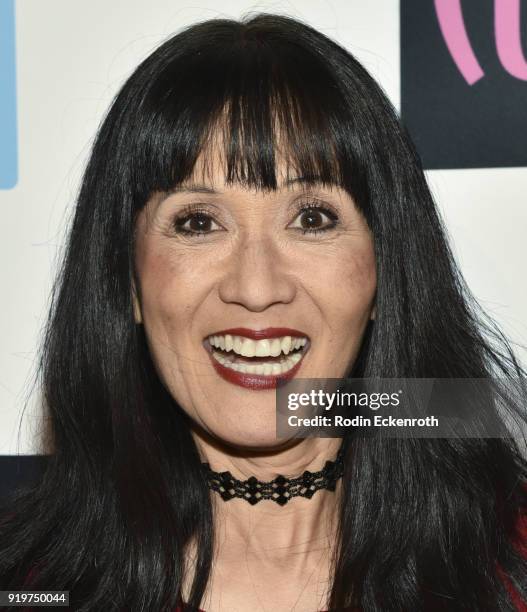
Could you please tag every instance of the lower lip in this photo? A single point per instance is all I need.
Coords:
(256, 382)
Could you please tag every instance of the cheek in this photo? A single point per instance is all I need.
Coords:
(170, 290)
(170, 295)
(360, 278)
(344, 284)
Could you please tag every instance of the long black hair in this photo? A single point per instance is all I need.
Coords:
(425, 524)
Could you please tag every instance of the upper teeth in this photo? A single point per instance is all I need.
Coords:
(269, 347)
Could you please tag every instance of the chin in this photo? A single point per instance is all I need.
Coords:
(250, 438)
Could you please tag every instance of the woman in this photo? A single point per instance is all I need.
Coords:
(252, 209)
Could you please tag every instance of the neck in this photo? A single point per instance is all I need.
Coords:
(266, 530)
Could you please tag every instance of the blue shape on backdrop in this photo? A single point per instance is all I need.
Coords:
(8, 122)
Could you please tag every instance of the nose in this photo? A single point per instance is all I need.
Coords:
(257, 276)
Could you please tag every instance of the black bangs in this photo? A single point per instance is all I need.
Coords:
(248, 97)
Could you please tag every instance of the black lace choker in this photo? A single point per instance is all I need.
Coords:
(280, 489)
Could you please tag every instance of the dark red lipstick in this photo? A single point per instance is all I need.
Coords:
(250, 380)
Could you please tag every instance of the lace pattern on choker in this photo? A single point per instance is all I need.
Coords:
(280, 489)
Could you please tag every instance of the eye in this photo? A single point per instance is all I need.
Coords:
(196, 223)
(313, 218)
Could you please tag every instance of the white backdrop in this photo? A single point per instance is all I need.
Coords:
(71, 59)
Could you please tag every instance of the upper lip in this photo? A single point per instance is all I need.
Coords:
(260, 334)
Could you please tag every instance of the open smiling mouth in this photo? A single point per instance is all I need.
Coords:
(257, 359)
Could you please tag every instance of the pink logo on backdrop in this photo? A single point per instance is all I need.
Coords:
(507, 34)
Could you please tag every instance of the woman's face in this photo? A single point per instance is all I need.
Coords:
(296, 265)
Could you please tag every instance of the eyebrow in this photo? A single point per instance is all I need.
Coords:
(200, 188)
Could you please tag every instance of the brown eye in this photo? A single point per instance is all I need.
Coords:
(195, 223)
(315, 218)
(310, 219)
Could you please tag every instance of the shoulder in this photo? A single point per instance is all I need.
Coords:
(520, 543)
(520, 537)
(521, 540)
